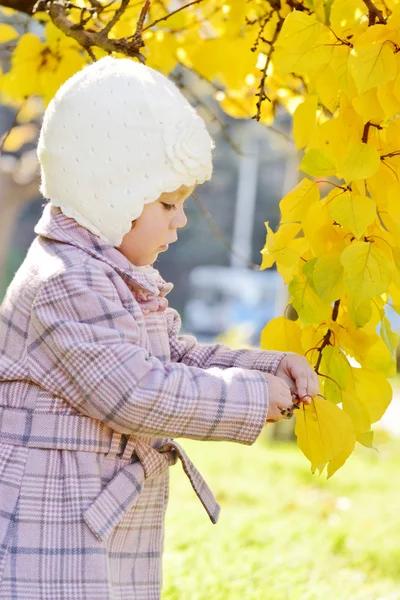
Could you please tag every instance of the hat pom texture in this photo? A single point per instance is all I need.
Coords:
(115, 137)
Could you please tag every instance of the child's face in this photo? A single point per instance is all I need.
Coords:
(156, 227)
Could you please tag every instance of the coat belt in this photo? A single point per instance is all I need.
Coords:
(76, 432)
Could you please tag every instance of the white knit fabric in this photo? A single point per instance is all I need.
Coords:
(115, 137)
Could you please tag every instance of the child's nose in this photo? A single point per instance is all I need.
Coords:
(180, 219)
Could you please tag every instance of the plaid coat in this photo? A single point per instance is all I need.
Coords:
(93, 392)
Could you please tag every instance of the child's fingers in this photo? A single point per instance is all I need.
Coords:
(302, 384)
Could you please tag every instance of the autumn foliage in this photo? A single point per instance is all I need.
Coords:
(335, 66)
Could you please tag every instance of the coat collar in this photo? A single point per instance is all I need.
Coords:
(54, 225)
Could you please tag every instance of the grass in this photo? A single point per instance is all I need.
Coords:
(283, 533)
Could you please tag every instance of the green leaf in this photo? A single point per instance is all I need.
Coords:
(366, 439)
(372, 65)
(352, 211)
(308, 305)
(367, 269)
(360, 162)
(317, 163)
(390, 338)
(360, 310)
(328, 277)
(335, 364)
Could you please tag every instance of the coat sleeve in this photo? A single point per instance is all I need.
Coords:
(84, 346)
(185, 349)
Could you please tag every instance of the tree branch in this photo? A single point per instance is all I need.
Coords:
(89, 38)
(24, 6)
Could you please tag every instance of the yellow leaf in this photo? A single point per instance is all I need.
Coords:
(31, 109)
(19, 136)
(331, 135)
(378, 357)
(223, 60)
(328, 277)
(374, 391)
(317, 227)
(304, 121)
(327, 86)
(393, 202)
(356, 411)
(389, 102)
(162, 49)
(303, 45)
(346, 14)
(308, 305)
(367, 269)
(360, 162)
(317, 163)
(7, 33)
(390, 338)
(352, 211)
(282, 334)
(349, 441)
(324, 432)
(372, 65)
(368, 107)
(340, 64)
(277, 245)
(295, 204)
(286, 269)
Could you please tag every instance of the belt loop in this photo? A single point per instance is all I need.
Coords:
(115, 445)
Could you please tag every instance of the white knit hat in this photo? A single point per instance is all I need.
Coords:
(115, 137)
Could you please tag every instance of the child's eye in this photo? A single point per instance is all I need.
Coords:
(168, 206)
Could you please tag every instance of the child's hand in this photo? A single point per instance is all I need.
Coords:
(280, 397)
(297, 373)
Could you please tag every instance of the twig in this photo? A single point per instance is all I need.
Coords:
(261, 94)
(172, 13)
(366, 130)
(390, 155)
(327, 337)
(374, 13)
(118, 14)
(213, 116)
(215, 229)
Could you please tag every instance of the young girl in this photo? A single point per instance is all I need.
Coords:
(95, 380)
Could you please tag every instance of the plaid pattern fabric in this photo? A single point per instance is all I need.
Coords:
(79, 362)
